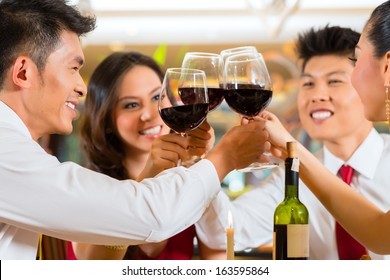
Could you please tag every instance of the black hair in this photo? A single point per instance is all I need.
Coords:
(33, 28)
(103, 148)
(324, 41)
(378, 29)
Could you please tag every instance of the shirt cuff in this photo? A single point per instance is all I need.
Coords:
(208, 174)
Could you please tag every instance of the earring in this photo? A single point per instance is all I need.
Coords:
(387, 102)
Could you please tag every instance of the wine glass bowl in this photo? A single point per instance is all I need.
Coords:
(183, 100)
(210, 64)
(224, 54)
(247, 84)
(248, 89)
(232, 51)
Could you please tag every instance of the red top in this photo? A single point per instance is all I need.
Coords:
(70, 252)
(179, 247)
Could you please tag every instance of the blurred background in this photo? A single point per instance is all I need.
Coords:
(167, 29)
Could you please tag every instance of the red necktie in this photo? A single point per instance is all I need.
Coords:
(348, 247)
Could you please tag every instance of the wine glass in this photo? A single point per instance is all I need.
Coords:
(210, 64)
(224, 54)
(183, 101)
(228, 52)
(248, 90)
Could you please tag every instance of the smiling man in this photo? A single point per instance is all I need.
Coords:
(40, 87)
(330, 111)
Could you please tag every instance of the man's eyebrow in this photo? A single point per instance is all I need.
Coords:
(303, 75)
(340, 72)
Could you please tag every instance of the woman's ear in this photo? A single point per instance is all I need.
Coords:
(387, 69)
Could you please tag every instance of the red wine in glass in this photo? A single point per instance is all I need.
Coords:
(247, 100)
(248, 89)
(183, 104)
(216, 96)
(186, 117)
(210, 63)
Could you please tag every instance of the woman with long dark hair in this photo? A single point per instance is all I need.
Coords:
(120, 130)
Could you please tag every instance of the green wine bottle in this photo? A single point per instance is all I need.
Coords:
(291, 218)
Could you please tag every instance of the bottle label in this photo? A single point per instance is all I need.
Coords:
(295, 165)
(297, 241)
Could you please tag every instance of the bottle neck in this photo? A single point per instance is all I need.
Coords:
(291, 179)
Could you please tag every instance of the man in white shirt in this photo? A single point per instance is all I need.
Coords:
(331, 111)
(40, 86)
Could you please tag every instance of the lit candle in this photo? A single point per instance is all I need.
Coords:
(230, 238)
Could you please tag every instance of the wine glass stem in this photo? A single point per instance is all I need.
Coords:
(179, 162)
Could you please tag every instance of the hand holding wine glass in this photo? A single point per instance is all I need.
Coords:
(248, 89)
(183, 102)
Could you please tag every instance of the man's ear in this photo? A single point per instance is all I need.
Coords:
(22, 69)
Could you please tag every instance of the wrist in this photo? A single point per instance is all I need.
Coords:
(222, 164)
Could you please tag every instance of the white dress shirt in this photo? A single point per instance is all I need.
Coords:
(38, 194)
(254, 210)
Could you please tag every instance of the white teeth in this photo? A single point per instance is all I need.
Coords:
(151, 131)
(70, 105)
(321, 115)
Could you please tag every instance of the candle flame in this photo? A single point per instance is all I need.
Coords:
(230, 219)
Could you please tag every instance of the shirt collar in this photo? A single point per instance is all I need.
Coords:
(11, 119)
(364, 160)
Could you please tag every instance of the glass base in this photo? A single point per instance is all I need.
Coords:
(187, 163)
(259, 166)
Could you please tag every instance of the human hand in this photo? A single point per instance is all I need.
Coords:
(239, 147)
(278, 134)
(166, 151)
(201, 140)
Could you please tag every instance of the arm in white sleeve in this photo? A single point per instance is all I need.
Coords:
(252, 215)
(64, 200)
